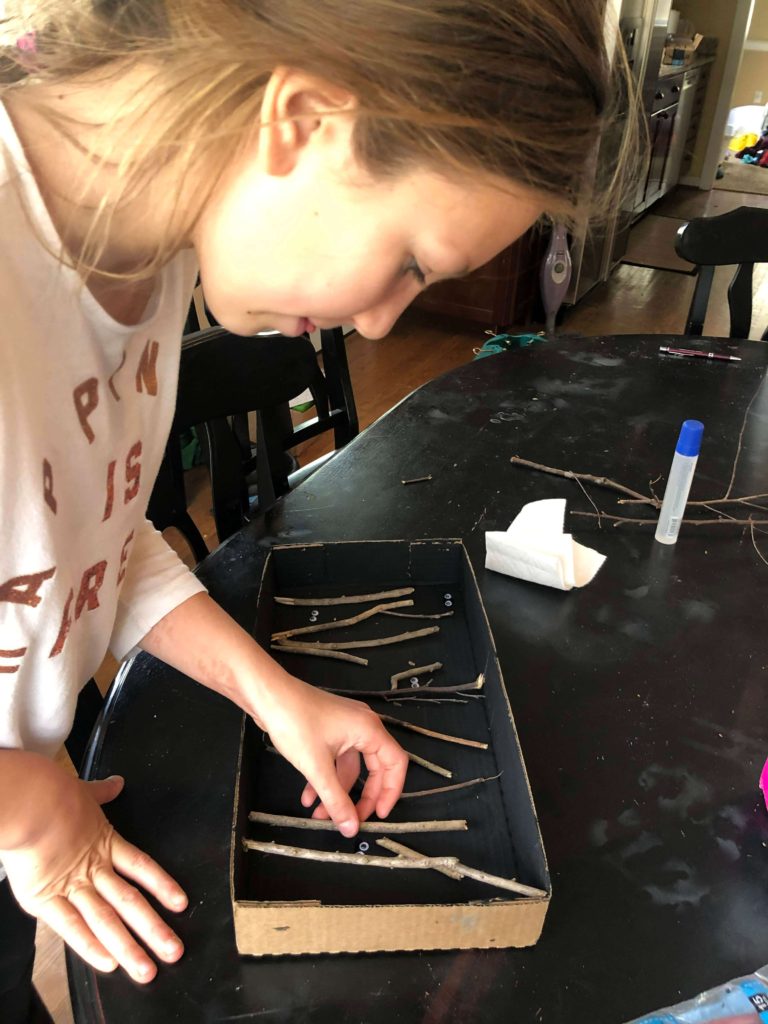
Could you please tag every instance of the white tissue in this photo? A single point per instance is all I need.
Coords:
(535, 548)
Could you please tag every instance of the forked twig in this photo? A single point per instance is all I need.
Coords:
(569, 474)
(403, 694)
(462, 871)
(383, 827)
(344, 599)
(355, 859)
(415, 671)
(321, 627)
(382, 641)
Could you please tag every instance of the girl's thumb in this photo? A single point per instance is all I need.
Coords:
(104, 790)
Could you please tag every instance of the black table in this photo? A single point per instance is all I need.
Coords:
(641, 704)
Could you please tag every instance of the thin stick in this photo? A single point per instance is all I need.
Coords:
(760, 555)
(710, 501)
(344, 599)
(447, 789)
(383, 641)
(429, 765)
(403, 694)
(355, 859)
(416, 670)
(435, 735)
(406, 851)
(511, 884)
(306, 649)
(690, 522)
(569, 474)
(741, 438)
(319, 627)
(417, 480)
(384, 827)
(589, 499)
(415, 615)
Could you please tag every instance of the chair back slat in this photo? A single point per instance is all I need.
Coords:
(695, 322)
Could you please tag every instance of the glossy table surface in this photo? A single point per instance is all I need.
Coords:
(640, 701)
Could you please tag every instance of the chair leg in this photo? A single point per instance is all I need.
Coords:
(698, 309)
(339, 384)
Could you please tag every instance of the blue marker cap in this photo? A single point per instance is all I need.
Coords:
(689, 442)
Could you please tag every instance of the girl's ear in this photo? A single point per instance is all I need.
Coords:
(299, 111)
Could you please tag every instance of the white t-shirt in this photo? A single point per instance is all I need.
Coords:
(86, 405)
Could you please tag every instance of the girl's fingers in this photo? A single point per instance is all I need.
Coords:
(139, 867)
(308, 796)
(392, 762)
(133, 908)
(334, 799)
(372, 788)
(59, 914)
(110, 931)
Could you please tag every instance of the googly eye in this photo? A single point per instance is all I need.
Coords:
(363, 848)
(449, 604)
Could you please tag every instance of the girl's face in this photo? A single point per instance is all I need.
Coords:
(298, 235)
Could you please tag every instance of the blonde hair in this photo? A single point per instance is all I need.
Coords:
(518, 89)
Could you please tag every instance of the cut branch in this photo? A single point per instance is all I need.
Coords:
(415, 671)
(355, 859)
(310, 602)
(569, 474)
(383, 827)
(319, 627)
(429, 765)
(416, 615)
(382, 641)
(445, 737)
(462, 871)
(414, 794)
(403, 694)
(618, 520)
(306, 649)
(417, 479)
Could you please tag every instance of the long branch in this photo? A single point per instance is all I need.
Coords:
(463, 871)
(476, 684)
(383, 827)
(309, 602)
(417, 793)
(383, 641)
(569, 474)
(355, 859)
(618, 520)
(321, 627)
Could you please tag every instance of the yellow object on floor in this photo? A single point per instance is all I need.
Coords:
(739, 142)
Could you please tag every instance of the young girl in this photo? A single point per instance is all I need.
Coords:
(318, 163)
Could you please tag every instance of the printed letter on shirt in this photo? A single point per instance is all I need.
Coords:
(14, 655)
(24, 589)
(146, 373)
(50, 500)
(66, 622)
(124, 559)
(110, 491)
(86, 397)
(132, 472)
(90, 585)
(110, 382)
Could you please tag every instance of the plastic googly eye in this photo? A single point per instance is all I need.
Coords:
(363, 848)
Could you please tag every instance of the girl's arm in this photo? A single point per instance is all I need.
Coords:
(321, 734)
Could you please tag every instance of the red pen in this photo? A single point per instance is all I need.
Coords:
(697, 353)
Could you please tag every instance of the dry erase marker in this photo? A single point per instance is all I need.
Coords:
(679, 483)
(697, 353)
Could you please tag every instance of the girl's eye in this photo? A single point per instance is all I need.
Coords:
(412, 267)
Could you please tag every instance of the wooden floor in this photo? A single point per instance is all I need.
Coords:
(635, 300)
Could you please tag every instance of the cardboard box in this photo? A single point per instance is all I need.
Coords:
(682, 51)
(288, 906)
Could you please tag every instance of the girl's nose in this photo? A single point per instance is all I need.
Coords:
(379, 320)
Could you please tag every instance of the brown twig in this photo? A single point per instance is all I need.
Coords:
(760, 555)
(402, 694)
(417, 479)
(710, 501)
(320, 627)
(355, 859)
(383, 641)
(416, 670)
(429, 765)
(345, 599)
(415, 793)
(569, 474)
(314, 652)
(414, 615)
(462, 871)
(384, 827)
(730, 521)
(435, 735)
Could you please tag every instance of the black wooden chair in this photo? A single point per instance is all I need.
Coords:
(737, 238)
(223, 378)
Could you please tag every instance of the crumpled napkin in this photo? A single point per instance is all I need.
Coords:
(535, 548)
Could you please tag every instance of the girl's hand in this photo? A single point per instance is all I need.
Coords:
(63, 868)
(323, 735)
